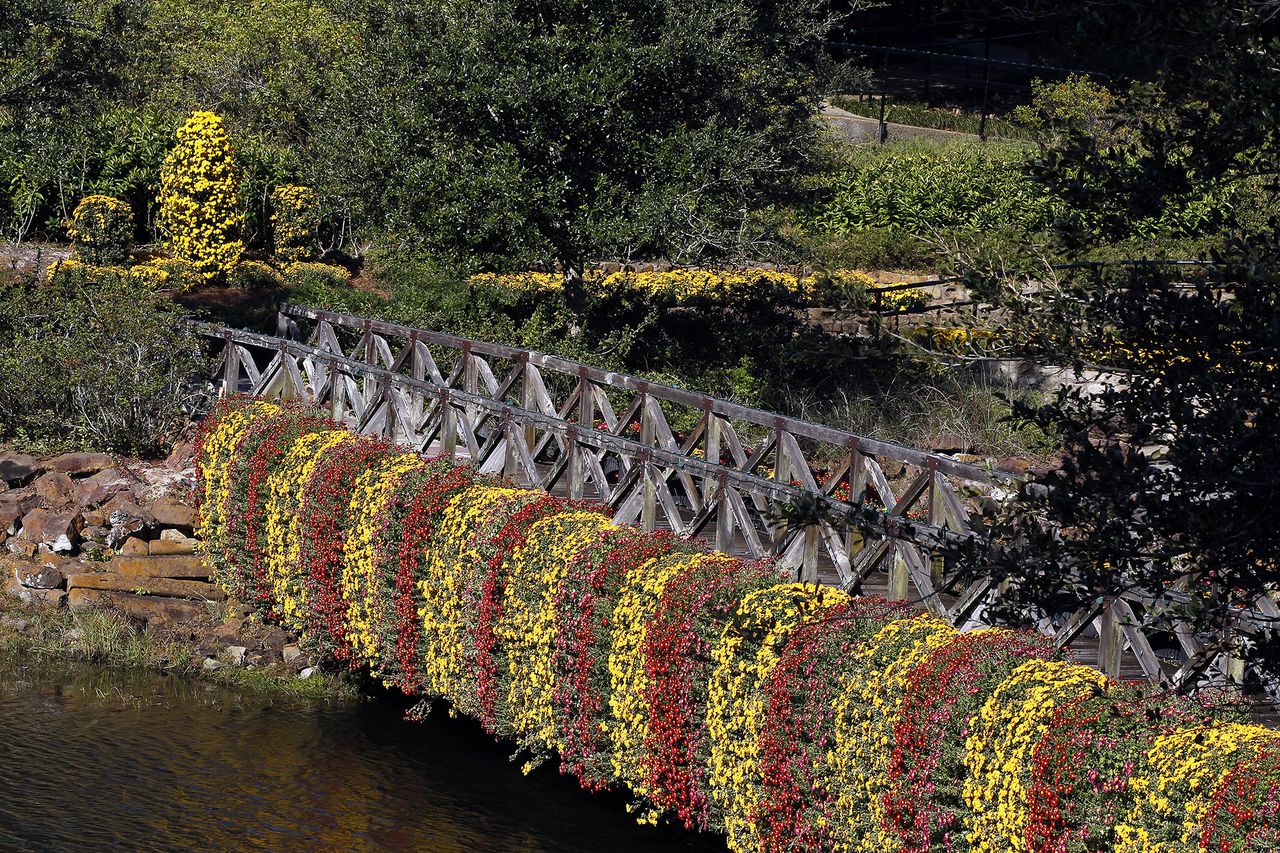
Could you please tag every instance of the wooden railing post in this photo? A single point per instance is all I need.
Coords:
(724, 516)
(528, 399)
(448, 426)
(230, 367)
(1110, 639)
(509, 431)
(809, 556)
(897, 571)
(712, 452)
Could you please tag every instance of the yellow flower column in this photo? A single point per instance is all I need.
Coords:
(1173, 797)
(200, 209)
(865, 712)
(999, 746)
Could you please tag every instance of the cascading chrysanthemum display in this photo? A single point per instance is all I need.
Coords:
(789, 716)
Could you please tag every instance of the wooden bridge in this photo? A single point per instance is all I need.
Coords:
(832, 506)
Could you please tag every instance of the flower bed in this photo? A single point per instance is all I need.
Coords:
(725, 698)
(685, 286)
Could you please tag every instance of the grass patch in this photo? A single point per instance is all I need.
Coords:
(109, 639)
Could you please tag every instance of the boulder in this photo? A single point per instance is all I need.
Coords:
(137, 585)
(145, 608)
(177, 566)
(236, 654)
(134, 547)
(171, 513)
(211, 665)
(291, 652)
(162, 547)
(11, 512)
(80, 463)
(42, 597)
(181, 455)
(37, 576)
(56, 489)
(17, 468)
(57, 531)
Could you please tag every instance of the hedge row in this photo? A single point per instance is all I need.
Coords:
(789, 716)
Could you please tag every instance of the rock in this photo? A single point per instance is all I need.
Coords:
(291, 652)
(211, 665)
(99, 536)
(1012, 465)
(145, 608)
(274, 640)
(56, 489)
(170, 513)
(57, 531)
(175, 566)
(950, 443)
(169, 547)
(134, 547)
(20, 546)
(38, 576)
(121, 510)
(139, 585)
(80, 463)
(17, 468)
(14, 623)
(25, 498)
(42, 597)
(10, 513)
(236, 654)
(308, 672)
(181, 455)
(101, 487)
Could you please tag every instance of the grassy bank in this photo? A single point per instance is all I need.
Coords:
(46, 635)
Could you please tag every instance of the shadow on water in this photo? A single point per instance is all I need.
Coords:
(94, 760)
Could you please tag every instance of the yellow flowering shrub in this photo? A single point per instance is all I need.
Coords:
(295, 220)
(686, 285)
(452, 589)
(999, 746)
(865, 712)
(200, 210)
(749, 648)
(219, 440)
(1184, 771)
(101, 230)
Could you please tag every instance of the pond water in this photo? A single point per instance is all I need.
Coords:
(101, 760)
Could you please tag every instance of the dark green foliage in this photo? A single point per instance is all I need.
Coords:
(93, 362)
(1170, 474)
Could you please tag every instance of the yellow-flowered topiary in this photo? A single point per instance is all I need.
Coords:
(101, 230)
(1184, 772)
(295, 221)
(200, 210)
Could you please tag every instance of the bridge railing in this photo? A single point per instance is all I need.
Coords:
(588, 433)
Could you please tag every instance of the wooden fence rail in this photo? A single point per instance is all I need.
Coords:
(587, 433)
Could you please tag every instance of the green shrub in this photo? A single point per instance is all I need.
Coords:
(93, 358)
(921, 187)
(315, 276)
(255, 275)
(295, 222)
(102, 229)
